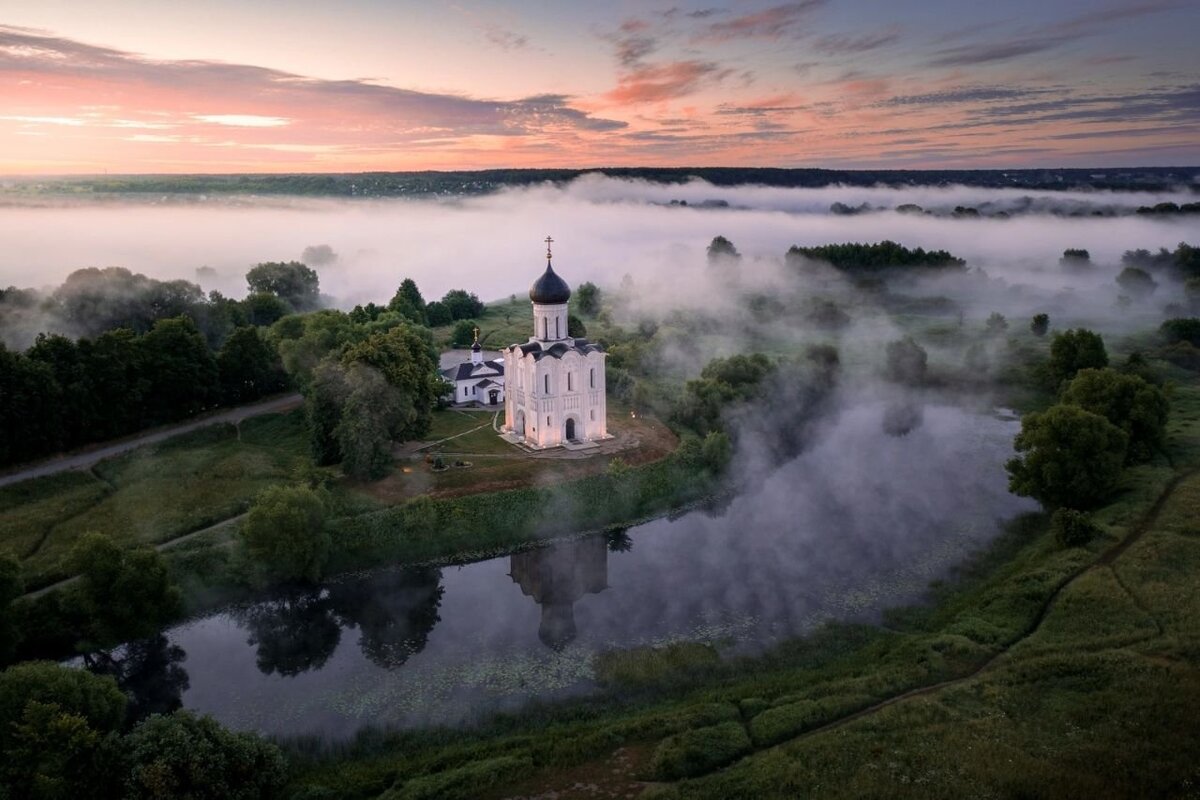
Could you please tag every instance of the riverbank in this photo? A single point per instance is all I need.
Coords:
(1041, 670)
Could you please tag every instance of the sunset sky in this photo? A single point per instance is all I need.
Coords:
(144, 86)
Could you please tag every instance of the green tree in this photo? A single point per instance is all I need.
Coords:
(124, 594)
(587, 297)
(327, 392)
(437, 314)
(292, 281)
(11, 587)
(575, 327)
(285, 534)
(1127, 401)
(264, 309)
(1075, 259)
(74, 691)
(1137, 282)
(906, 362)
(1073, 350)
(1069, 457)
(462, 305)
(249, 366)
(1182, 329)
(180, 370)
(721, 249)
(372, 414)
(996, 324)
(1072, 528)
(183, 755)
(408, 302)
(1040, 324)
(29, 400)
(405, 357)
(464, 333)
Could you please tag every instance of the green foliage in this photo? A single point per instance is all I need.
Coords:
(462, 783)
(996, 324)
(1138, 408)
(437, 314)
(722, 382)
(701, 750)
(124, 594)
(1040, 324)
(183, 755)
(792, 719)
(263, 309)
(463, 333)
(249, 366)
(1073, 350)
(180, 370)
(1137, 282)
(408, 302)
(460, 304)
(1181, 330)
(874, 257)
(285, 534)
(11, 587)
(372, 415)
(587, 299)
(404, 355)
(906, 362)
(1072, 528)
(1071, 457)
(720, 249)
(575, 327)
(645, 666)
(292, 281)
(1075, 257)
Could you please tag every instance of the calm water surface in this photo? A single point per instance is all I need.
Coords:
(861, 522)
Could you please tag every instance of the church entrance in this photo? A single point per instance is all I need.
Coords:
(493, 396)
(570, 429)
(519, 427)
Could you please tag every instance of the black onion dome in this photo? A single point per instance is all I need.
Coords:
(549, 289)
(477, 346)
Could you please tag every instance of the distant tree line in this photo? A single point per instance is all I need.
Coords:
(856, 257)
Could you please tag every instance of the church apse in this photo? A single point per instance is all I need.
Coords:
(556, 577)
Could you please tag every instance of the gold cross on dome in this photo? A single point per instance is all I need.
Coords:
(549, 241)
(476, 334)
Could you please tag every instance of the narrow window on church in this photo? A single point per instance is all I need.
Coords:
(569, 376)
(545, 328)
(592, 377)
(547, 422)
(547, 377)
(593, 415)
(557, 335)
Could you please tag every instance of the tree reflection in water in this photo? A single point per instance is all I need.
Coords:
(556, 577)
(149, 671)
(395, 610)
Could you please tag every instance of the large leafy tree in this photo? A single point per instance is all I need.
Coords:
(587, 296)
(30, 424)
(374, 414)
(183, 755)
(1131, 403)
(1068, 457)
(180, 370)
(11, 587)
(124, 594)
(462, 304)
(249, 366)
(405, 357)
(1073, 350)
(284, 533)
(292, 281)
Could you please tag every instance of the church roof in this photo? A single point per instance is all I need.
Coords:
(549, 289)
(466, 370)
(558, 349)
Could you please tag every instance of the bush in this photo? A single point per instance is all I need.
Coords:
(1074, 350)
(1039, 324)
(1071, 457)
(183, 755)
(1127, 401)
(1185, 329)
(1073, 528)
(787, 721)
(698, 751)
(464, 782)
(285, 532)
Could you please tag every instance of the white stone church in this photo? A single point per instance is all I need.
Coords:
(554, 384)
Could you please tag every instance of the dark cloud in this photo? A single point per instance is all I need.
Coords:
(977, 53)
(961, 94)
(842, 44)
(1117, 13)
(771, 23)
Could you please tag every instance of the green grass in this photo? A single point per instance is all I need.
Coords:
(152, 494)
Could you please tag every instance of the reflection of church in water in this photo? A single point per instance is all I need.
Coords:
(556, 577)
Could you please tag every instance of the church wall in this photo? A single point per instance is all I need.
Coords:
(550, 322)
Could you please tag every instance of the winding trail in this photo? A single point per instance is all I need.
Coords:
(89, 458)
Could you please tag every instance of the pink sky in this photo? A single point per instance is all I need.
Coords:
(140, 86)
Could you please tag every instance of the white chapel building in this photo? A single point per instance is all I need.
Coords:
(554, 383)
(479, 380)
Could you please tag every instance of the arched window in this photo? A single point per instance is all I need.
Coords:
(557, 334)
(547, 377)
(545, 328)
(593, 415)
(570, 383)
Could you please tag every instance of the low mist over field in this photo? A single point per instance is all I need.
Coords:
(605, 228)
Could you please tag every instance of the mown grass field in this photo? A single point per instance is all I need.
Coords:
(1039, 672)
(149, 495)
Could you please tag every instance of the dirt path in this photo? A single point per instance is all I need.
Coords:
(90, 458)
(160, 547)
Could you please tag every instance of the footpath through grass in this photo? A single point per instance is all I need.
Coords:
(1041, 672)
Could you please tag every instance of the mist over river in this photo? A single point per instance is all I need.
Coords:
(860, 522)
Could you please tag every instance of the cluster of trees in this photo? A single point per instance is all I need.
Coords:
(1072, 454)
(63, 393)
(722, 382)
(66, 733)
(1170, 208)
(456, 304)
(855, 257)
(1182, 263)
